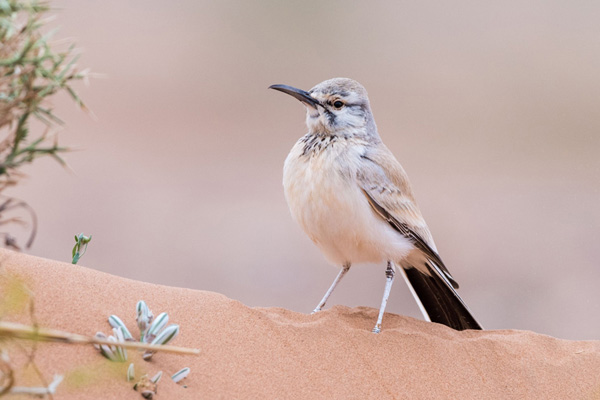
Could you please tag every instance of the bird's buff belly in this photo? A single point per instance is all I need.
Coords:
(334, 212)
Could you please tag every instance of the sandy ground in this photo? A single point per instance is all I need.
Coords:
(269, 353)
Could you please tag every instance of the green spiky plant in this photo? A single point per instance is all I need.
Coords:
(31, 72)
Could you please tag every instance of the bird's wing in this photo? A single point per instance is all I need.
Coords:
(387, 189)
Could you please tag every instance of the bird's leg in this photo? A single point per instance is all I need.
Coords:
(337, 280)
(389, 279)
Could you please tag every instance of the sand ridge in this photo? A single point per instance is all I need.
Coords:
(273, 353)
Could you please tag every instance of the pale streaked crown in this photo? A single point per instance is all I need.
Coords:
(343, 107)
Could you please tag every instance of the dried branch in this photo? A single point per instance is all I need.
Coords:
(48, 390)
(20, 331)
(7, 379)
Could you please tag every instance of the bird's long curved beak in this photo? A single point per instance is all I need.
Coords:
(299, 94)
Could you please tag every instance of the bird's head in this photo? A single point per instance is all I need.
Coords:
(338, 106)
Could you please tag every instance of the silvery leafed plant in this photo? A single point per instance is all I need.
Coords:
(154, 331)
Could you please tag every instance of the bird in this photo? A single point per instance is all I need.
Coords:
(353, 199)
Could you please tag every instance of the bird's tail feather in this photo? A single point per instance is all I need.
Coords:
(438, 299)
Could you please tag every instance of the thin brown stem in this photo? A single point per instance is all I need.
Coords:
(20, 331)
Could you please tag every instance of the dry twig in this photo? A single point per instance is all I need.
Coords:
(20, 331)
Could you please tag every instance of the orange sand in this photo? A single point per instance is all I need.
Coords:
(269, 353)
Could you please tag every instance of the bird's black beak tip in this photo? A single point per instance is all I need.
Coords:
(299, 94)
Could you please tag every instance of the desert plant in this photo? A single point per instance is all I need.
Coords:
(81, 241)
(153, 331)
(31, 72)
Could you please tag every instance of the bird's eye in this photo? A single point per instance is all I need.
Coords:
(338, 104)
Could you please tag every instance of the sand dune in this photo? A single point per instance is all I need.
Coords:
(273, 353)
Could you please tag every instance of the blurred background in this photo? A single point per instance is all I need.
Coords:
(491, 107)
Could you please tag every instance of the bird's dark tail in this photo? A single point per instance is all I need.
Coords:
(431, 282)
(438, 298)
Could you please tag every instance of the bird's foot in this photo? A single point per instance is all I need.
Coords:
(377, 329)
(316, 310)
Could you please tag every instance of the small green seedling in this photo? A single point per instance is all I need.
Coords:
(80, 241)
